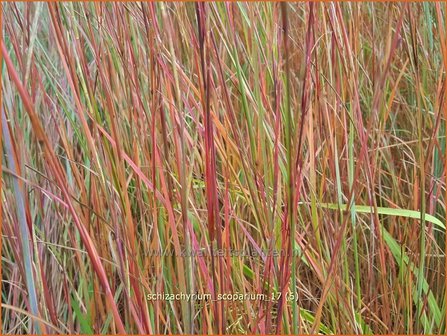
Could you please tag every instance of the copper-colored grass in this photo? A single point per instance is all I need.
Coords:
(140, 138)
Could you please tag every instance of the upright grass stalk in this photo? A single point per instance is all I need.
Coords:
(443, 42)
(290, 180)
(25, 237)
(210, 161)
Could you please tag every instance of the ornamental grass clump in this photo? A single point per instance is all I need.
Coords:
(223, 168)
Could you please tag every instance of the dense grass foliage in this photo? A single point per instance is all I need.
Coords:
(292, 152)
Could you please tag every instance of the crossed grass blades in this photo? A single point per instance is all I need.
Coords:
(315, 129)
